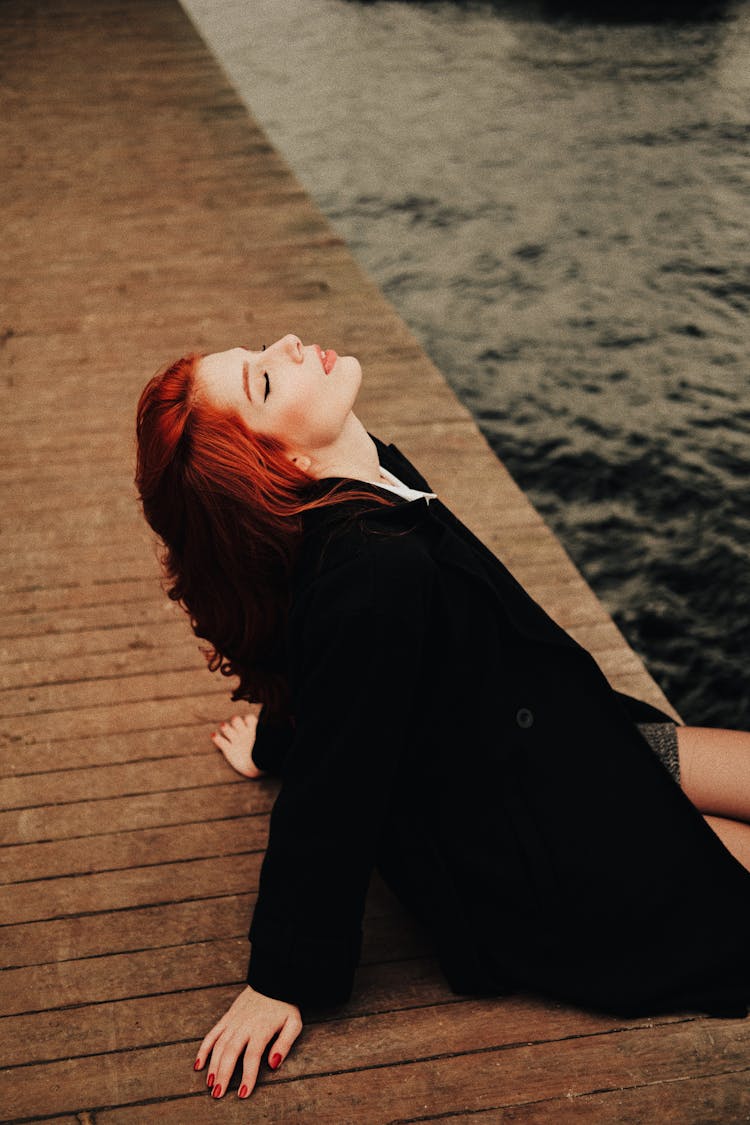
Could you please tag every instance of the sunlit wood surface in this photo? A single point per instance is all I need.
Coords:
(144, 214)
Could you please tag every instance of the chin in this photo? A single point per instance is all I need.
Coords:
(348, 367)
(352, 363)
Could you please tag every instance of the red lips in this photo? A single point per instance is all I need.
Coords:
(328, 359)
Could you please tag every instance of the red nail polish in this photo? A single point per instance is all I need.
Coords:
(216, 1092)
(197, 1064)
(275, 1061)
(243, 1091)
(210, 1080)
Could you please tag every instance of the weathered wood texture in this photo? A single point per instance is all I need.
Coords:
(144, 214)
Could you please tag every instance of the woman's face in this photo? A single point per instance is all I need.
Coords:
(294, 392)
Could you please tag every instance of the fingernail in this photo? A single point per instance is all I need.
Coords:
(243, 1091)
(210, 1080)
(197, 1064)
(275, 1061)
(216, 1092)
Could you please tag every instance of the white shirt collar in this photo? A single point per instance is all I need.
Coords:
(393, 484)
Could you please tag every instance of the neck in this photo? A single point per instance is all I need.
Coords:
(353, 454)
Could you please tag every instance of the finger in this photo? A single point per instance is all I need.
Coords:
(225, 1057)
(217, 1078)
(284, 1041)
(220, 739)
(238, 722)
(205, 1048)
(249, 1073)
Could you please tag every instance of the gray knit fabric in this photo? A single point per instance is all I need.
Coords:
(662, 738)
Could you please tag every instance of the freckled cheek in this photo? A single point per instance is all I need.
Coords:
(293, 415)
(294, 421)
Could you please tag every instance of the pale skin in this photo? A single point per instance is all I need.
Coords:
(297, 393)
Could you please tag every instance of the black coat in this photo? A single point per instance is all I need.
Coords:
(449, 733)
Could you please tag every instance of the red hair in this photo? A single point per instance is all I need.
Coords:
(227, 504)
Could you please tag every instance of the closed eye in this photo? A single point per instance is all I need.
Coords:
(268, 386)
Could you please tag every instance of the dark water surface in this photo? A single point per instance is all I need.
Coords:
(560, 210)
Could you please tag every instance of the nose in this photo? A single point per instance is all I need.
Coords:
(292, 345)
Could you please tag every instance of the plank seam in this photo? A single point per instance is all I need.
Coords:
(282, 1080)
(569, 1098)
(116, 797)
(514, 1045)
(127, 831)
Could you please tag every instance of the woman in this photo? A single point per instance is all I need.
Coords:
(427, 718)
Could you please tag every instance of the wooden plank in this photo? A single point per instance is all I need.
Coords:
(67, 700)
(110, 535)
(75, 522)
(140, 886)
(148, 972)
(156, 884)
(186, 799)
(76, 620)
(183, 771)
(395, 987)
(190, 963)
(87, 594)
(388, 932)
(110, 851)
(408, 1068)
(118, 1025)
(719, 1098)
(116, 718)
(31, 568)
(109, 932)
(181, 656)
(64, 650)
(67, 751)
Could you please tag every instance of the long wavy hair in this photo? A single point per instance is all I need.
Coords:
(226, 503)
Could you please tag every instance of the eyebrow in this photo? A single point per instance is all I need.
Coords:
(246, 379)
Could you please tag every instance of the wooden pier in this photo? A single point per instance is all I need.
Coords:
(144, 213)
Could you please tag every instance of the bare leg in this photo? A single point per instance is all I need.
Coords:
(715, 770)
(715, 775)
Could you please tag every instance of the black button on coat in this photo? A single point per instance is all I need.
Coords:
(449, 733)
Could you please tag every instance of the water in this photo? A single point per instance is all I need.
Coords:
(560, 210)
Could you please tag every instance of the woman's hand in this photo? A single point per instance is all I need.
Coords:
(249, 1025)
(236, 739)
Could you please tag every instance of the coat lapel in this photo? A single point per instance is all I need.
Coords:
(459, 548)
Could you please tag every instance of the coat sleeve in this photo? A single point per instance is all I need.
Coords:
(353, 689)
(272, 741)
